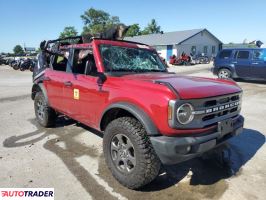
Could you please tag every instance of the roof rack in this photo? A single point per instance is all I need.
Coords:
(45, 44)
(119, 40)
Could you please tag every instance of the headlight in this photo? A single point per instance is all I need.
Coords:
(185, 113)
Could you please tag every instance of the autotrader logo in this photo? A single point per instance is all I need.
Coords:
(27, 193)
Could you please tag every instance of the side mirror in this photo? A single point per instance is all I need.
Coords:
(101, 78)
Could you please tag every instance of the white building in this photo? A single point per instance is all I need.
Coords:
(196, 41)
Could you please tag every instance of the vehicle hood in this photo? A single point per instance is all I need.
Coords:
(189, 87)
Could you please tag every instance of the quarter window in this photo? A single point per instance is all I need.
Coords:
(225, 54)
(243, 55)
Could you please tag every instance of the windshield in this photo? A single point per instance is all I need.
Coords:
(117, 58)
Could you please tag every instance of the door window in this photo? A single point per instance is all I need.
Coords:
(59, 62)
(243, 55)
(83, 62)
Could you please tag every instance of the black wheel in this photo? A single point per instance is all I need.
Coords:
(129, 153)
(45, 115)
(15, 67)
(31, 68)
(187, 63)
(224, 73)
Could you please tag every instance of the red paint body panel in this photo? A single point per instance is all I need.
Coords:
(190, 87)
(137, 89)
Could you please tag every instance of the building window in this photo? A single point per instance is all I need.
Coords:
(213, 49)
(193, 50)
(205, 49)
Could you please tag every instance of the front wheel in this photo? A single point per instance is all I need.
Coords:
(224, 74)
(129, 153)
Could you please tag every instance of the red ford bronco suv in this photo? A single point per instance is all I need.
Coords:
(148, 115)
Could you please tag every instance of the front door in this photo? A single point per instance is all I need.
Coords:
(81, 93)
(242, 63)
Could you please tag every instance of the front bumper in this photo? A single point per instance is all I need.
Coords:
(173, 150)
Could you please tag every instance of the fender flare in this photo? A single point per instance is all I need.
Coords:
(138, 113)
(39, 87)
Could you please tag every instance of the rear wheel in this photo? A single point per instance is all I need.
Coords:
(129, 154)
(224, 73)
(45, 115)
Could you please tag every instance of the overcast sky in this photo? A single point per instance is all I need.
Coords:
(30, 21)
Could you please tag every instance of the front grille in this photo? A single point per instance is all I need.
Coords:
(208, 111)
(219, 107)
(210, 103)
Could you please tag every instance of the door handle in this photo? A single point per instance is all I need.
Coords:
(46, 78)
(68, 83)
(255, 63)
(234, 62)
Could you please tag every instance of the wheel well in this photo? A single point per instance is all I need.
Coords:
(225, 68)
(113, 114)
(35, 88)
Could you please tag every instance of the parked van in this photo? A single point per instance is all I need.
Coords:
(241, 63)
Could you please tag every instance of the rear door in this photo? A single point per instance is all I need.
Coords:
(258, 64)
(242, 63)
(223, 58)
(54, 82)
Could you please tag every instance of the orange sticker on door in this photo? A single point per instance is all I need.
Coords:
(76, 93)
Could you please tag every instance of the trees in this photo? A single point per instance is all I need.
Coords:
(68, 31)
(97, 21)
(133, 30)
(151, 28)
(18, 50)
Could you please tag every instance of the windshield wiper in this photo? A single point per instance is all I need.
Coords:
(137, 70)
(120, 70)
(156, 70)
(148, 70)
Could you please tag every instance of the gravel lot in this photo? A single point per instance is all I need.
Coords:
(69, 157)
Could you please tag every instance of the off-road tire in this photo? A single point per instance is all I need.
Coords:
(48, 117)
(224, 73)
(147, 162)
